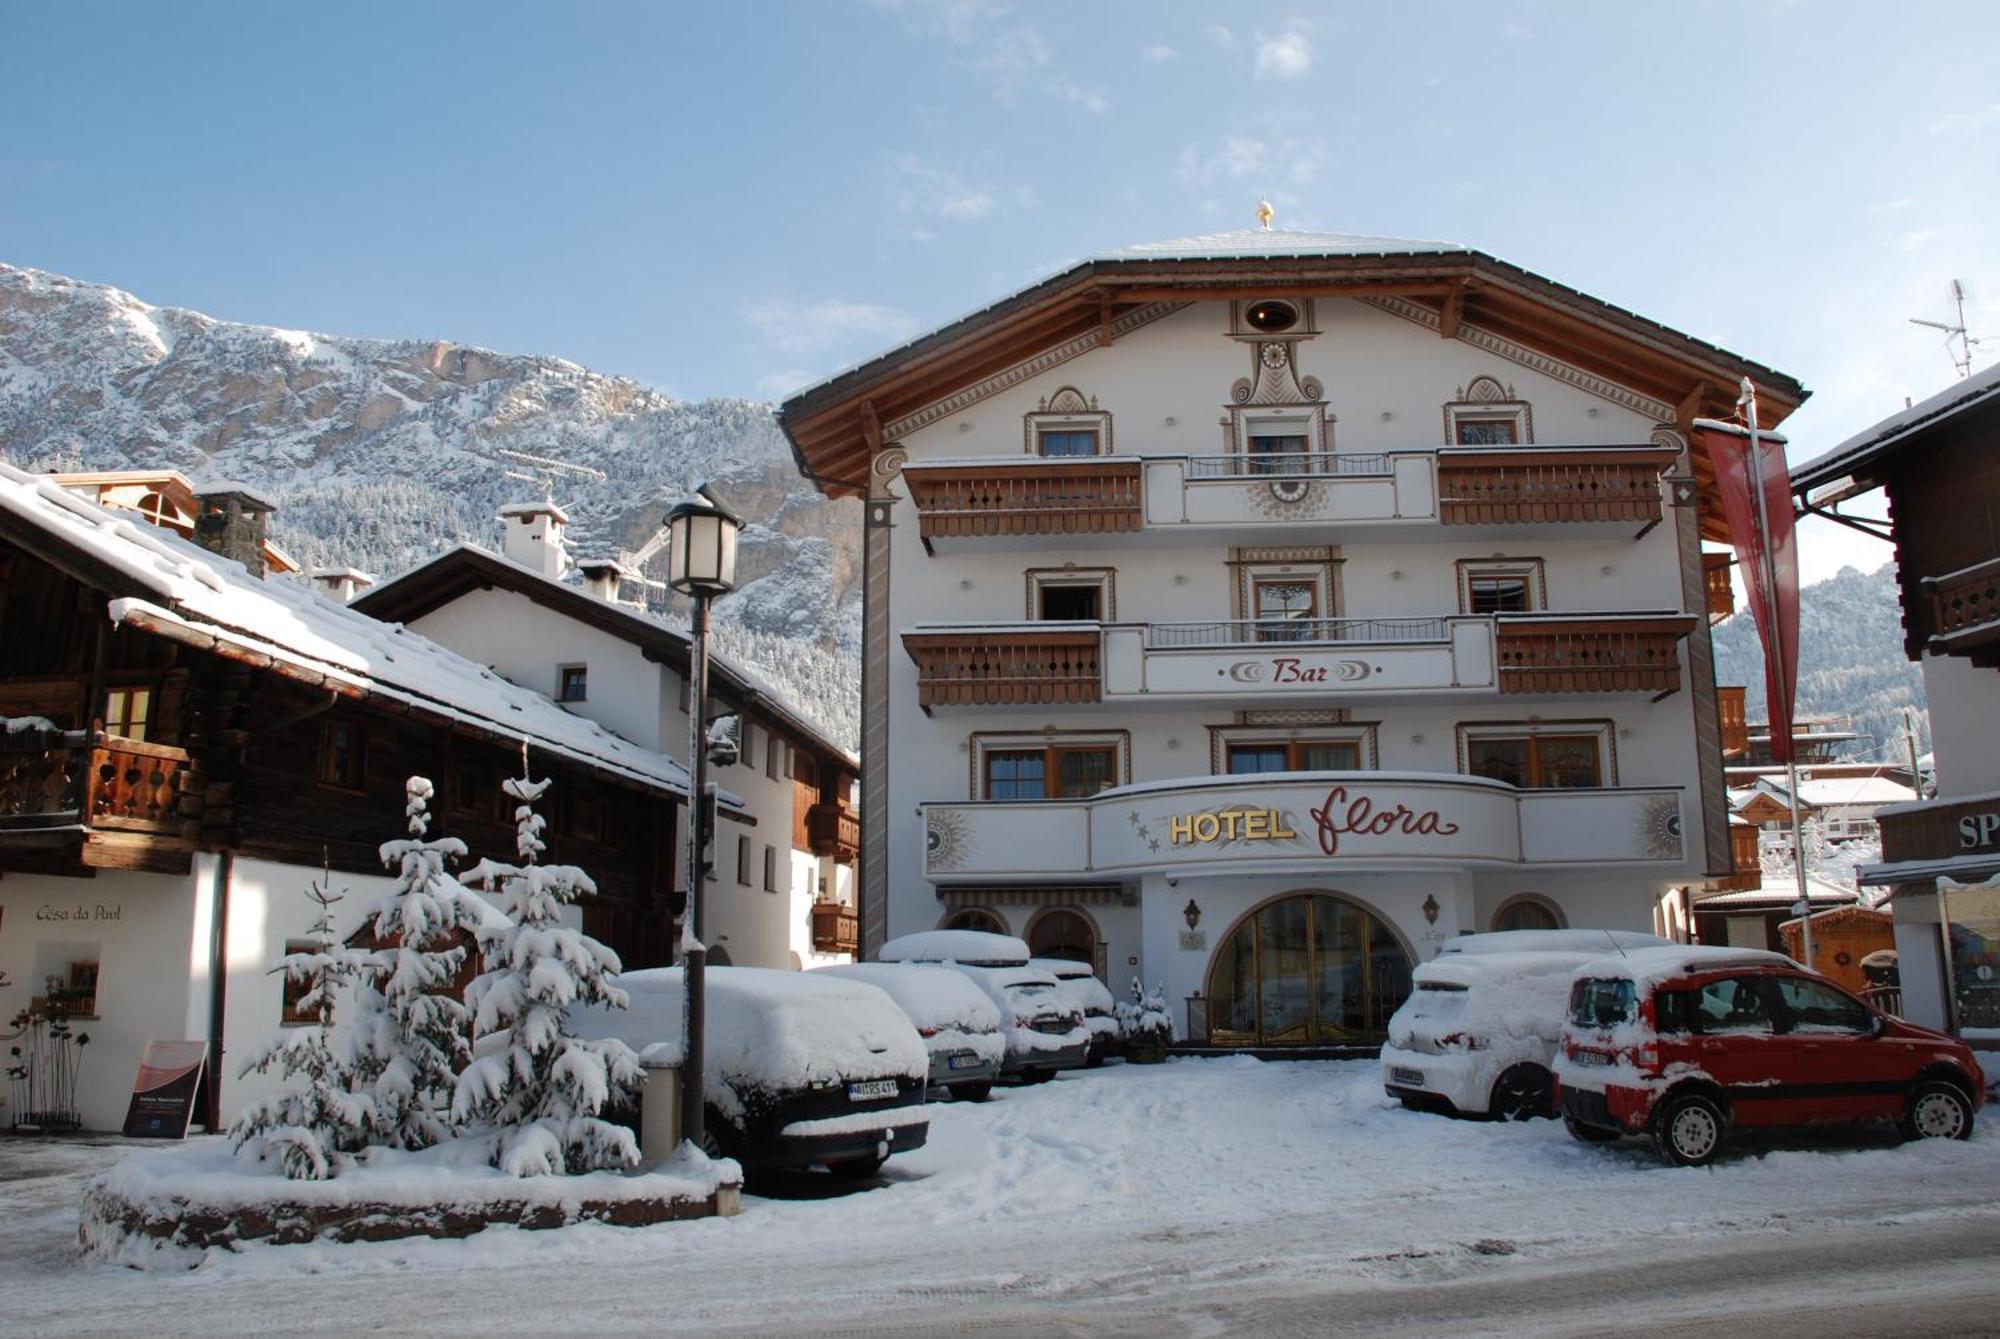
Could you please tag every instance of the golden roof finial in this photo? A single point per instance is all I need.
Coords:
(1264, 214)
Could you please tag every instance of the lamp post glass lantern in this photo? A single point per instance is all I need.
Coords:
(701, 564)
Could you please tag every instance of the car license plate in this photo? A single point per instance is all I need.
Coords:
(962, 1062)
(1591, 1058)
(1410, 1076)
(869, 1089)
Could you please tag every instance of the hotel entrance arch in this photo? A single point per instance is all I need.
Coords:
(1306, 969)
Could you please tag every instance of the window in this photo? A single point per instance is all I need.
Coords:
(1270, 316)
(1480, 431)
(770, 869)
(1808, 1006)
(74, 994)
(1536, 762)
(571, 681)
(1299, 755)
(126, 711)
(342, 760)
(774, 756)
(1526, 912)
(1501, 586)
(1285, 609)
(1067, 441)
(976, 918)
(473, 791)
(1277, 449)
(1733, 1004)
(1486, 413)
(1071, 594)
(1081, 603)
(1053, 773)
(743, 861)
(289, 1012)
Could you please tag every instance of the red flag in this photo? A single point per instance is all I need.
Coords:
(1774, 606)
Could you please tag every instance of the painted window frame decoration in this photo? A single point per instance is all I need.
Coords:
(1601, 732)
(1532, 571)
(1316, 565)
(1485, 400)
(1067, 411)
(1361, 736)
(983, 745)
(1105, 579)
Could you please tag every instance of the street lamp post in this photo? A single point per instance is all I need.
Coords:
(701, 564)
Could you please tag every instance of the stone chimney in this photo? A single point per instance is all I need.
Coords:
(342, 583)
(532, 535)
(230, 521)
(602, 575)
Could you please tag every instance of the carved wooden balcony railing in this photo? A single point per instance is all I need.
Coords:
(1005, 666)
(98, 787)
(1715, 571)
(835, 928)
(1746, 867)
(1030, 496)
(1965, 612)
(1520, 485)
(1543, 654)
(1729, 709)
(834, 830)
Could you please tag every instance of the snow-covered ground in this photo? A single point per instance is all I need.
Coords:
(1124, 1200)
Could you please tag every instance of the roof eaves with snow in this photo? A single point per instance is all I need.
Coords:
(173, 588)
(1904, 429)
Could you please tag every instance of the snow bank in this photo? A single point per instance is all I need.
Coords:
(768, 1031)
(973, 947)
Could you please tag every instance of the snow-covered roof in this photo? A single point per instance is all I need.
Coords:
(1879, 437)
(1253, 243)
(1782, 893)
(172, 587)
(542, 508)
(1835, 791)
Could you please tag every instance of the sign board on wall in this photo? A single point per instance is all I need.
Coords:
(165, 1090)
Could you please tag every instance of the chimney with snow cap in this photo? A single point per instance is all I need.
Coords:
(230, 521)
(532, 535)
(602, 575)
(342, 583)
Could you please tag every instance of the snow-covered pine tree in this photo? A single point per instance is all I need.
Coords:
(410, 1036)
(540, 1088)
(319, 1116)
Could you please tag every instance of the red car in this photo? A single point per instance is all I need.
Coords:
(1686, 1043)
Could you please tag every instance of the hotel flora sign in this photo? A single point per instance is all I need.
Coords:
(1389, 818)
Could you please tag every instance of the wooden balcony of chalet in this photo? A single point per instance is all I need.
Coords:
(836, 928)
(1746, 869)
(1006, 666)
(1965, 612)
(834, 830)
(1030, 495)
(1715, 572)
(1732, 713)
(105, 801)
(1518, 485)
(1569, 654)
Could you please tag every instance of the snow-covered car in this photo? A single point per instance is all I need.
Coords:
(799, 1068)
(1044, 1028)
(1100, 1011)
(973, 948)
(1478, 1034)
(959, 1025)
(1593, 942)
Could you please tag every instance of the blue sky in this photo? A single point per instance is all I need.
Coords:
(730, 199)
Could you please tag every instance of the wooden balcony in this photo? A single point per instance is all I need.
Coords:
(1006, 666)
(1522, 485)
(1555, 654)
(1715, 572)
(834, 830)
(1027, 496)
(120, 803)
(1965, 612)
(835, 928)
(1746, 868)
(1729, 709)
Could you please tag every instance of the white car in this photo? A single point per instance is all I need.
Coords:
(1044, 1030)
(1594, 942)
(1478, 1034)
(959, 1025)
(974, 948)
(1100, 1012)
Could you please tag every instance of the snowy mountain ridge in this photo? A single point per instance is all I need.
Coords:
(380, 453)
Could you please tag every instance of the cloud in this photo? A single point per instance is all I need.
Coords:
(1518, 32)
(938, 192)
(1153, 55)
(1286, 56)
(1285, 159)
(1219, 37)
(1012, 59)
(1964, 123)
(777, 385)
(825, 324)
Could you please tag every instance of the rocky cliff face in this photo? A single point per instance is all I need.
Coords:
(381, 453)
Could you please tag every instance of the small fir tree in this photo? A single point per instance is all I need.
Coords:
(539, 1087)
(410, 1033)
(319, 1117)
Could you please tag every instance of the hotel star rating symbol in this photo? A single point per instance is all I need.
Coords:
(1145, 833)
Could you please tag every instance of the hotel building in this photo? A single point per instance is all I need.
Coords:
(1251, 613)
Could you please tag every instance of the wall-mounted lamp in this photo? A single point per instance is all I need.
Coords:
(1386, 416)
(1431, 909)
(965, 425)
(1193, 913)
(1605, 570)
(1170, 420)
(965, 583)
(1173, 743)
(1180, 579)
(1395, 574)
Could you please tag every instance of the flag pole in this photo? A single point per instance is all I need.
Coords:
(1747, 403)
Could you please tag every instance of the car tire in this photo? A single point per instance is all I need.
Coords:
(972, 1092)
(1094, 1057)
(1522, 1093)
(1589, 1134)
(1688, 1130)
(1937, 1110)
(854, 1169)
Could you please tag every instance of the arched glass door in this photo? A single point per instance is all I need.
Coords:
(1061, 933)
(1306, 970)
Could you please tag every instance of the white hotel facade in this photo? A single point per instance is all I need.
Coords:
(1249, 614)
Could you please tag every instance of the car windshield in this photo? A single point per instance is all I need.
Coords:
(1437, 1001)
(1602, 1002)
(1031, 991)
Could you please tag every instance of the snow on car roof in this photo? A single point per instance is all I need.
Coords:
(1517, 941)
(777, 1030)
(1649, 966)
(1063, 969)
(1476, 968)
(973, 947)
(933, 996)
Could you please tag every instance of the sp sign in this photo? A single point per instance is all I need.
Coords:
(1977, 832)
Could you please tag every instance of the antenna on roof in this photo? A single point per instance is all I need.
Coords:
(545, 469)
(1961, 358)
(1615, 944)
